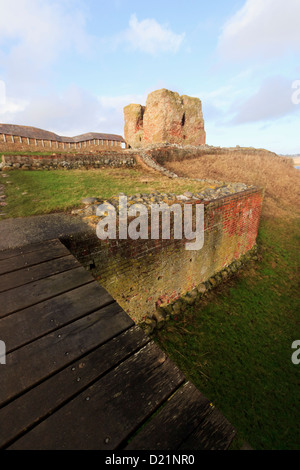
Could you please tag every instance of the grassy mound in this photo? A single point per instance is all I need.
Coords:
(276, 174)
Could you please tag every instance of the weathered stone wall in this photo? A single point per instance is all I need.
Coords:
(167, 118)
(147, 276)
(134, 115)
(9, 143)
(67, 161)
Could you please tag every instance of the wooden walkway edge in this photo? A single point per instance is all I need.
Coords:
(79, 373)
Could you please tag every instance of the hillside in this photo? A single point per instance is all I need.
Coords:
(276, 174)
(235, 345)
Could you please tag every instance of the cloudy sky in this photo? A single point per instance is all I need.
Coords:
(70, 66)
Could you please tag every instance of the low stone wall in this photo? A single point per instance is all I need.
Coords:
(63, 161)
(154, 157)
(148, 277)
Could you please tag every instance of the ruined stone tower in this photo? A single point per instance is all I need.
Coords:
(166, 118)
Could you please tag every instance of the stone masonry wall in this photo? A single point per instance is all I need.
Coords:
(147, 276)
(67, 161)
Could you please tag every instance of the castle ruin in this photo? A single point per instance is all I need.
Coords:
(166, 118)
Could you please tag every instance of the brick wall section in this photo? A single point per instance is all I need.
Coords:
(144, 274)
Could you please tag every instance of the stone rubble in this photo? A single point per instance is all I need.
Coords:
(89, 205)
(114, 160)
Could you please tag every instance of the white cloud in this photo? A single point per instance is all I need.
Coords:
(151, 37)
(218, 103)
(272, 101)
(9, 108)
(2, 93)
(73, 112)
(74, 109)
(262, 28)
(36, 32)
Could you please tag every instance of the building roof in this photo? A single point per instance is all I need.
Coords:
(40, 134)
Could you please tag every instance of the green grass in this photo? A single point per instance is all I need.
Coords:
(40, 192)
(235, 346)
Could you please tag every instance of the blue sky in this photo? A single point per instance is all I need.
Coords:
(70, 66)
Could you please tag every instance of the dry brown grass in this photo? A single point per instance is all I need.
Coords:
(276, 174)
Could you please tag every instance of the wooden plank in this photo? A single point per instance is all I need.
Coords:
(109, 411)
(185, 410)
(34, 273)
(29, 409)
(35, 292)
(215, 433)
(46, 253)
(33, 363)
(11, 253)
(38, 320)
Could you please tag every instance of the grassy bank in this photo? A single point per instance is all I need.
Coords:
(276, 174)
(236, 345)
(41, 192)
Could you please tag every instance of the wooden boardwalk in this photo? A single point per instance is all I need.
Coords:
(80, 375)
